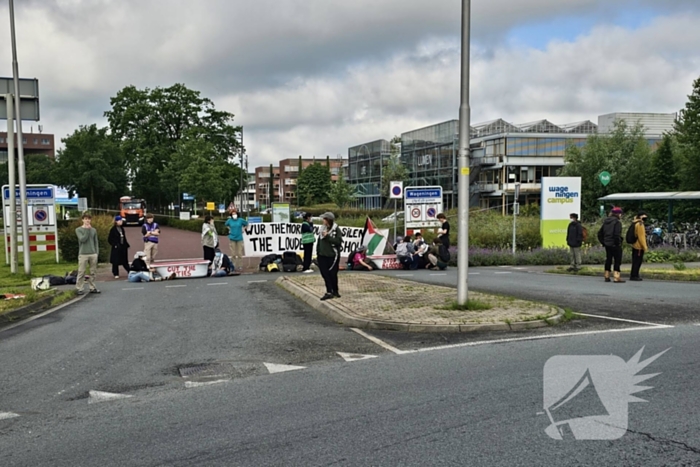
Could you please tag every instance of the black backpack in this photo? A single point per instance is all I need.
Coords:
(291, 261)
(631, 236)
(267, 260)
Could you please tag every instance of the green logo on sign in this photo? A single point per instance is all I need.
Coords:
(604, 178)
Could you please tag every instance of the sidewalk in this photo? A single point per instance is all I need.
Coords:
(378, 302)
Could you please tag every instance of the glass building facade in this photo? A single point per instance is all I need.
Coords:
(430, 155)
(365, 169)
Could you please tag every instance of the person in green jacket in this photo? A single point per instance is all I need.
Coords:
(88, 250)
(307, 241)
(330, 241)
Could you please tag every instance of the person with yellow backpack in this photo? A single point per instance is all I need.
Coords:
(639, 246)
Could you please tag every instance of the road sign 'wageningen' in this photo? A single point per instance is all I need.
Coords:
(32, 193)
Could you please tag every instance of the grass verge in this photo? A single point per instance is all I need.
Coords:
(472, 305)
(31, 296)
(683, 275)
(43, 264)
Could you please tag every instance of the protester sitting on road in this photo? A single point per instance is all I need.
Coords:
(141, 272)
(421, 256)
(405, 252)
(438, 256)
(360, 261)
(418, 240)
(210, 239)
(222, 265)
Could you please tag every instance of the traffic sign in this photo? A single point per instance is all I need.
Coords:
(35, 194)
(41, 215)
(396, 190)
(422, 205)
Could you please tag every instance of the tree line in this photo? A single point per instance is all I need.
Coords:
(158, 144)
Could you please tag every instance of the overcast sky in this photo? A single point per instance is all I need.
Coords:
(314, 77)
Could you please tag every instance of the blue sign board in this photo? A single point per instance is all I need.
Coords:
(32, 193)
(418, 193)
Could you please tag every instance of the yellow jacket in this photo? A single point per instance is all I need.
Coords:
(641, 243)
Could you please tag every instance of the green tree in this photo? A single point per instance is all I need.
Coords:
(314, 184)
(342, 193)
(664, 174)
(394, 170)
(91, 163)
(625, 154)
(39, 169)
(150, 124)
(687, 129)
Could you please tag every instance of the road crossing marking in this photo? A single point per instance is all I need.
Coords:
(197, 384)
(218, 283)
(354, 357)
(378, 341)
(625, 320)
(277, 368)
(8, 415)
(439, 274)
(174, 286)
(134, 288)
(101, 396)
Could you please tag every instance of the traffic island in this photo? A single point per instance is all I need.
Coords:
(372, 301)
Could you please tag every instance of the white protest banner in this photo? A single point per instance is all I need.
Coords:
(277, 237)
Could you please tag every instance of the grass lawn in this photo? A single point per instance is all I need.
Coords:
(43, 264)
(647, 272)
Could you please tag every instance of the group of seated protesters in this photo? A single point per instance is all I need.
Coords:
(418, 254)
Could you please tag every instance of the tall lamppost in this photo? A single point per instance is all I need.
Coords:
(463, 186)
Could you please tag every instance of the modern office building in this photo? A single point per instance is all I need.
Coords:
(655, 125)
(365, 169)
(34, 143)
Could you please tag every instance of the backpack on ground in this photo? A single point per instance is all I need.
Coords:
(268, 260)
(40, 283)
(631, 236)
(291, 261)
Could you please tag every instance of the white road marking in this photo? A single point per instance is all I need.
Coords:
(8, 415)
(101, 396)
(257, 282)
(474, 273)
(354, 357)
(135, 288)
(277, 368)
(174, 286)
(197, 384)
(532, 338)
(439, 274)
(218, 283)
(378, 341)
(625, 320)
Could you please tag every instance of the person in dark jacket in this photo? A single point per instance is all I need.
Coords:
(610, 235)
(119, 256)
(574, 238)
(330, 241)
(307, 241)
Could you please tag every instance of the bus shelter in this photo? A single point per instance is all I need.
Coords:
(669, 197)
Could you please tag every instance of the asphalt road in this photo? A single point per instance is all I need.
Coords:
(423, 400)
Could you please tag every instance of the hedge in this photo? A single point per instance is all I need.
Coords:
(68, 241)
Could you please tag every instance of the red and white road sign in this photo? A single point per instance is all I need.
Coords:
(415, 213)
(39, 238)
(20, 248)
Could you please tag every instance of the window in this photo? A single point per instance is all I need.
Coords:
(45, 142)
(2, 140)
(24, 140)
(36, 141)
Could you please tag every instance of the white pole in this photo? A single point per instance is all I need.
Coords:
(12, 182)
(395, 220)
(515, 210)
(20, 146)
(463, 186)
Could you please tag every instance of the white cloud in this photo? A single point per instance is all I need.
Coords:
(314, 77)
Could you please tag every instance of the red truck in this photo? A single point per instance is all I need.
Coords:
(132, 210)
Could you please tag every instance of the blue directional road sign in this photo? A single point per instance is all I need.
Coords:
(422, 205)
(35, 195)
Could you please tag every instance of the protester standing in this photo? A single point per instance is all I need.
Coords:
(640, 246)
(444, 230)
(119, 256)
(88, 251)
(235, 226)
(210, 239)
(330, 241)
(307, 241)
(610, 236)
(151, 236)
(574, 238)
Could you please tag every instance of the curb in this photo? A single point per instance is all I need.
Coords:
(31, 312)
(338, 315)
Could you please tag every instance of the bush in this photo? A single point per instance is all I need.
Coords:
(68, 241)
(375, 214)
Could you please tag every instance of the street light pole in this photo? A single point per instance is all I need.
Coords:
(463, 178)
(20, 146)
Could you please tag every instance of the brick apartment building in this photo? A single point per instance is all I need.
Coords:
(285, 179)
(34, 143)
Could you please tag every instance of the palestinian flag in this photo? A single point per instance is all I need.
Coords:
(372, 239)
